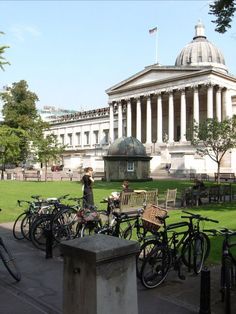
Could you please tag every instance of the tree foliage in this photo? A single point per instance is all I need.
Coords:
(213, 138)
(224, 12)
(3, 61)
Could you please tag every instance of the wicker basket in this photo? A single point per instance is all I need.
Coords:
(151, 217)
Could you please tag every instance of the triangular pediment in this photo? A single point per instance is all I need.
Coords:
(153, 75)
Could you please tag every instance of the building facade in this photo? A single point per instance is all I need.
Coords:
(159, 106)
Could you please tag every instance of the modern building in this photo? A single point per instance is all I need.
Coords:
(158, 106)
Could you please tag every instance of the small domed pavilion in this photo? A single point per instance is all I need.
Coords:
(126, 159)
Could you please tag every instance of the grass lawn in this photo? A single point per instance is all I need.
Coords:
(11, 191)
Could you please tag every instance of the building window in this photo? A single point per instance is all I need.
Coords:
(210, 59)
(199, 58)
(62, 137)
(130, 166)
(70, 139)
(86, 138)
(106, 136)
(78, 138)
(95, 135)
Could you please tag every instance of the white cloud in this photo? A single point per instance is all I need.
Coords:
(21, 32)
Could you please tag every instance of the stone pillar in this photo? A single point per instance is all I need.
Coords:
(100, 275)
(149, 122)
(171, 118)
(227, 103)
(159, 119)
(183, 117)
(129, 118)
(218, 105)
(210, 101)
(138, 120)
(120, 120)
(111, 130)
(195, 105)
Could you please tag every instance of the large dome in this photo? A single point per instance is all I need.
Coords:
(127, 146)
(201, 52)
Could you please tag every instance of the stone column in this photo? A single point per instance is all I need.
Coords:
(218, 105)
(120, 120)
(99, 275)
(183, 116)
(227, 103)
(111, 130)
(171, 118)
(159, 119)
(149, 121)
(210, 101)
(129, 118)
(195, 105)
(138, 120)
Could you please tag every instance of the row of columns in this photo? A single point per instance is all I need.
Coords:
(227, 105)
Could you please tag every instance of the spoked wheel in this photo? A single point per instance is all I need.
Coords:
(17, 227)
(155, 267)
(9, 261)
(64, 225)
(227, 277)
(199, 253)
(26, 225)
(88, 228)
(38, 232)
(195, 248)
(145, 249)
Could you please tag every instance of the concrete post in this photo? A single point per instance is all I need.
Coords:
(100, 275)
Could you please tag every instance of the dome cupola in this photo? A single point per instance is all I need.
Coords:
(201, 52)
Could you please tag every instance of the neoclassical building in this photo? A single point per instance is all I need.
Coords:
(158, 106)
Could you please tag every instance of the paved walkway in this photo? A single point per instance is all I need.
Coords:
(41, 287)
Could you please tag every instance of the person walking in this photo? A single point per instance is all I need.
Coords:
(87, 182)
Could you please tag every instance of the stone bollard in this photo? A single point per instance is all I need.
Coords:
(100, 275)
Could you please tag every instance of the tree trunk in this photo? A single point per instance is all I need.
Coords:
(218, 173)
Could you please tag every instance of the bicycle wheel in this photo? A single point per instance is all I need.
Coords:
(199, 253)
(227, 275)
(26, 224)
(189, 247)
(9, 261)
(38, 231)
(17, 227)
(125, 232)
(88, 228)
(145, 249)
(64, 225)
(155, 267)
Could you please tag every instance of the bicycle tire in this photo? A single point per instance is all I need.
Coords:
(17, 233)
(88, 228)
(187, 251)
(26, 225)
(145, 249)
(199, 253)
(64, 225)
(156, 267)
(37, 232)
(9, 261)
(226, 281)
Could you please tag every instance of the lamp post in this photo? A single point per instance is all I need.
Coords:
(2, 151)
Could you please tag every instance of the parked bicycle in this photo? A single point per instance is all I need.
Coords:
(228, 265)
(176, 244)
(9, 261)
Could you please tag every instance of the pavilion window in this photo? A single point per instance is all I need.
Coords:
(130, 166)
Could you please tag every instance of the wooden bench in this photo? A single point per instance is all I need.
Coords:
(227, 176)
(131, 202)
(32, 175)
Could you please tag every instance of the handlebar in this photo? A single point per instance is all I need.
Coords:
(198, 217)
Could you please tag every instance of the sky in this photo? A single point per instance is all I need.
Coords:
(71, 52)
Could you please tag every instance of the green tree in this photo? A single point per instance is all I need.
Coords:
(213, 138)
(224, 12)
(3, 61)
(19, 111)
(47, 149)
(10, 140)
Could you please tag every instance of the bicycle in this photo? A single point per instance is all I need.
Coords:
(190, 247)
(228, 265)
(9, 261)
